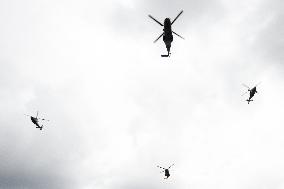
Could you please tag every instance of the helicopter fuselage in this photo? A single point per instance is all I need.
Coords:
(168, 34)
(35, 121)
(167, 173)
(252, 92)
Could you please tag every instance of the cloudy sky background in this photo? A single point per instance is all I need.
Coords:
(118, 109)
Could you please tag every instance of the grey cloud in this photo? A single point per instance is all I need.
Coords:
(135, 19)
(116, 115)
(33, 178)
(270, 40)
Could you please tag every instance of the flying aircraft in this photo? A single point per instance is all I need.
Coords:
(251, 91)
(167, 172)
(167, 32)
(36, 119)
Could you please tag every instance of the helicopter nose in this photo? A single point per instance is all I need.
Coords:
(167, 21)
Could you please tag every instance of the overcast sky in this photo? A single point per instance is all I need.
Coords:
(118, 109)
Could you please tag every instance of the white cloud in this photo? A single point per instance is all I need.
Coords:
(118, 109)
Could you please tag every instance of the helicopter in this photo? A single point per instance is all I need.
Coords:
(36, 119)
(167, 172)
(167, 32)
(251, 91)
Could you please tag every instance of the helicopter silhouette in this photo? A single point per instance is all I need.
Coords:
(167, 172)
(251, 91)
(167, 32)
(36, 119)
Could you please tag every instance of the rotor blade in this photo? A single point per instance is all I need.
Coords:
(244, 93)
(158, 37)
(257, 84)
(155, 20)
(170, 166)
(27, 115)
(178, 35)
(36, 113)
(43, 119)
(161, 167)
(177, 17)
(245, 86)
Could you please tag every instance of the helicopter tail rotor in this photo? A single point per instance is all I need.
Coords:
(166, 55)
(249, 100)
